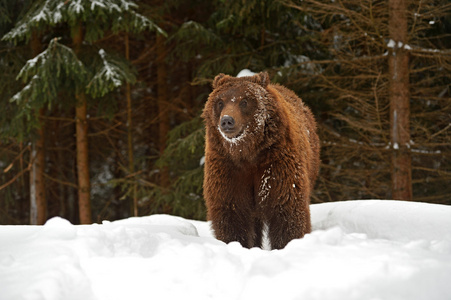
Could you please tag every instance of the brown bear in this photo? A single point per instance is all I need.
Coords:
(261, 161)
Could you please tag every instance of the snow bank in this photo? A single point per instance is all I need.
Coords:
(388, 219)
(358, 250)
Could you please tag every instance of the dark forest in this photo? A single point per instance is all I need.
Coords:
(101, 100)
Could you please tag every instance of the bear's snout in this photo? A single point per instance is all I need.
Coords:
(227, 123)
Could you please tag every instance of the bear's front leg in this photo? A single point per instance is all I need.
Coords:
(283, 196)
(229, 196)
(287, 223)
(230, 223)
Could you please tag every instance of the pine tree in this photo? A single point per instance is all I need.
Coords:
(260, 35)
(379, 139)
(60, 68)
(11, 135)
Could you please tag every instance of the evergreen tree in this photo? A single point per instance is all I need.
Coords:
(59, 69)
(13, 151)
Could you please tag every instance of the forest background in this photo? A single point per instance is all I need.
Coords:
(101, 100)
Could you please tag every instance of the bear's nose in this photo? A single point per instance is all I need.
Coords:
(227, 123)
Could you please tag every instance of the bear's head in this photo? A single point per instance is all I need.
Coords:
(236, 114)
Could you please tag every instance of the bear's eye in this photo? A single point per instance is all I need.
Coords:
(220, 105)
(243, 103)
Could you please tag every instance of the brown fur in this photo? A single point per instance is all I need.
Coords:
(266, 174)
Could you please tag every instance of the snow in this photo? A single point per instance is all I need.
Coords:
(108, 70)
(76, 7)
(392, 44)
(245, 72)
(234, 140)
(202, 161)
(367, 249)
(265, 185)
(399, 45)
(100, 4)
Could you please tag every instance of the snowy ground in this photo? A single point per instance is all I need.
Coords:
(358, 250)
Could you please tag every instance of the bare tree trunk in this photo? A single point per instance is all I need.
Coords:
(84, 183)
(38, 201)
(131, 161)
(399, 102)
(163, 109)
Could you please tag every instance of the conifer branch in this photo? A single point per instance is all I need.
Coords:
(110, 74)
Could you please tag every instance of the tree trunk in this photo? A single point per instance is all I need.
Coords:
(81, 123)
(84, 184)
(131, 161)
(38, 201)
(399, 102)
(163, 111)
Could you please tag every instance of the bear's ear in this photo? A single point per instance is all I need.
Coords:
(219, 80)
(262, 79)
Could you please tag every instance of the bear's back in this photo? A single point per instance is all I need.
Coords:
(306, 121)
(293, 100)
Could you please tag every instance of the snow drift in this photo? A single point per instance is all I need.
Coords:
(358, 250)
